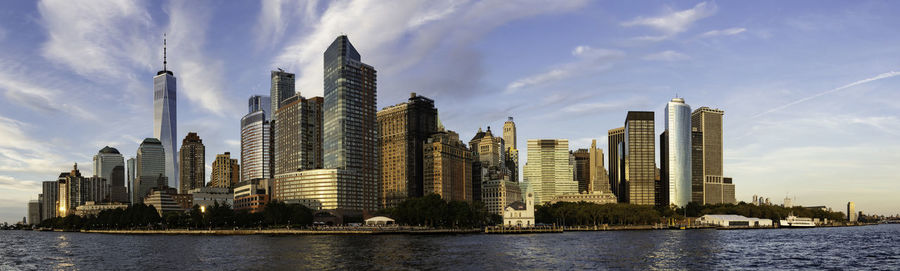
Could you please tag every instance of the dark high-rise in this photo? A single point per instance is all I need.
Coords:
(351, 132)
(707, 125)
(298, 134)
(640, 158)
(403, 130)
(192, 160)
(582, 169)
(50, 192)
(282, 88)
(616, 138)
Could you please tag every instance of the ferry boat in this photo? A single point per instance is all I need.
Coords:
(797, 222)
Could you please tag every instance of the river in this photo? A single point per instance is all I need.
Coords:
(864, 248)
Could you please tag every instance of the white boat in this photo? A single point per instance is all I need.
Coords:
(797, 222)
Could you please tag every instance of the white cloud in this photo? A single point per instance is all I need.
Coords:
(860, 82)
(667, 55)
(24, 153)
(673, 22)
(724, 32)
(11, 183)
(36, 96)
(433, 40)
(589, 60)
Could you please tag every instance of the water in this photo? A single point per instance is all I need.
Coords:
(864, 248)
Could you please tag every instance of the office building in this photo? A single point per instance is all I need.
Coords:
(298, 134)
(94, 208)
(616, 138)
(225, 172)
(351, 132)
(707, 169)
(49, 198)
(488, 150)
(69, 191)
(640, 159)
(402, 131)
(209, 196)
(599, 177)
(318, 189)
(548, 170)
(582, 168)
(447, 167)
(192, 163)
(34, 212)
(497, 192)
(150, 168)
(94, 189)
(257, 141)
(252, 195)
(161, 199)
(675, 154)
(109, 164)
(282, 88)
(131, 175)
(165, 125)
(852, 216)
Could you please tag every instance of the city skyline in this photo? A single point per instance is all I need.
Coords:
(783, 131)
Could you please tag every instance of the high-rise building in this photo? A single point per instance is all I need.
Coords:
(192, 160)
(488, 161)
(34, 212)
(675, 154)
(50, 196)
(599, 178)
(498, 192)
(165, 125)
(282, 88)
(512, 151)
(110, 165)
(582, 168)
(448, 167)
(709, 127)
(69, 191)
(640, 158)
(549, 169)
(402, 131)
(852, 216)
(298, 134)
(150, 168)
(257, 142)
(616, 138)
(93, 189)
(225, 171)
(132, 173)
(697, 189)
(351, 132)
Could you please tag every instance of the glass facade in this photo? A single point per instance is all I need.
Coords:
(549, 169)
(640, 158)
(165, 121)
(615, 137)
(281, 89)
(708, 125)
(677, 152)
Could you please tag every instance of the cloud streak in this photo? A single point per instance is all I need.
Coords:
(668, 55)
(724, 32)
(589, 60)
(820, 94)
(673, 22)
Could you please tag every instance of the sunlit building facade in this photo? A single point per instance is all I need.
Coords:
(448, 167)
(110, 165)
(675, 154)
(640, 158)
(225, 171)
(402, 132)
(192, 162)
(707, 126)
(298, 134)
(548, 170)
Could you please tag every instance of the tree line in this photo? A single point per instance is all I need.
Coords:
(432, 211)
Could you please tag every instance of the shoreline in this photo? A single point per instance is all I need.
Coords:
(377, 231)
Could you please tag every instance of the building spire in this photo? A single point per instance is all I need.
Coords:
(164, 52)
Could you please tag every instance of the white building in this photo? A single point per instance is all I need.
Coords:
(520, 214)
(208, 196)
(676, 152)
(734, 221)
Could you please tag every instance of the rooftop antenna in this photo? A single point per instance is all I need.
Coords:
(164, 52)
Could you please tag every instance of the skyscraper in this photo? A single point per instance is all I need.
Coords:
(852, 216)
(50, 192)
(282, 88)
(448, 167)
(709, 124)
(616, 139)
(150, 168)
(548, 171)
(192, 160)
(110, 165)
(582, 168)
(403, 130)
(165, 125)
(298, 135)
(351, 132)
(257, 142)
(512, 152)
(599, 178)
(675, 153)
(225, 171)
(640, 158)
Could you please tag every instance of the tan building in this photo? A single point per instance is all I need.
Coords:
(192, 163)
(90, 208)
(298, 134)
(599, 178)
(497, 193)
(640, 158)
(402, 131)
(448, 167)
(226, 172)
(707, 155)
(549, 169)
(512, 151)
(593, 197)
(489, 149)
(319, 189)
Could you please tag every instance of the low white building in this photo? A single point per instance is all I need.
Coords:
(209, 196)
(380, 221)
(734, 221)
(520, 214)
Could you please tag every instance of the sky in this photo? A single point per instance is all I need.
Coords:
(809, 88)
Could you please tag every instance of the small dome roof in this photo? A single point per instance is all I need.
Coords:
(109, 150)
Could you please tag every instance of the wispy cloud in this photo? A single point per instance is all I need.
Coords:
(673, 22)
(20, 152)
(668, 55)
(724, 32)
(588, 60)
(820, 94)
(35, 95)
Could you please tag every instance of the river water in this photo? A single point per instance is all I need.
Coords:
(863, 248)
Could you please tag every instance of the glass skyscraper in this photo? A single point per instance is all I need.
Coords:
(350, 129)
(675, 153)
(256, 140)
(165, 120)
(640, 158)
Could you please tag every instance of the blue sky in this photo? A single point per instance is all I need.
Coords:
(809, 87)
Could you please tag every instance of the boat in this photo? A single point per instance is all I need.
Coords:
(796, 222)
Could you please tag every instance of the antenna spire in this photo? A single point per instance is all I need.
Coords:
(164, 52)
